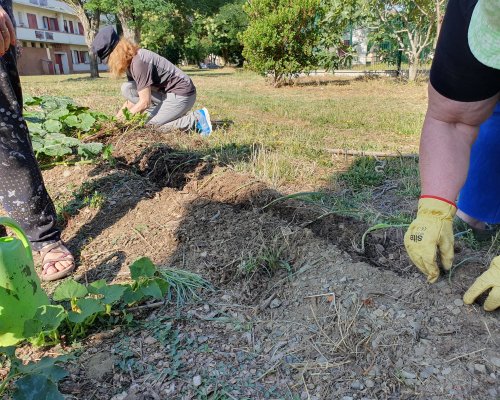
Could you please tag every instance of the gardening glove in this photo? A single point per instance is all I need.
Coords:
(430, 232)
(487, 280)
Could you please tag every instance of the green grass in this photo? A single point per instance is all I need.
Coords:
(289, 129)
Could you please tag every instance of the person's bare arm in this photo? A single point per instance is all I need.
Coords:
(7, 32)
(450, 128)
(143, 103)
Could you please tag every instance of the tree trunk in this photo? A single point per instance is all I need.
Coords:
(131, 33)
(439, 22)
(90, 33)
(94, 65)
(90, 21)
(413, 69)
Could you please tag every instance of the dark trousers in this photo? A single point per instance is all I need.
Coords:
(22, 191)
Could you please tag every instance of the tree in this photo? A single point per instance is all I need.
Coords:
(412, 25)
(224, 32)
(89, 14)
(338, 17)
(281, 37)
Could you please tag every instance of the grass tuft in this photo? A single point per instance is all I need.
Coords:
(184, 286)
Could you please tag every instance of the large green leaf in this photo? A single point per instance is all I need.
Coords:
(36, 128)
(46, 319)
(151, 288)
(49, 105)
(142, 268)
(52, 125)
(55, 149)
(90, 150)
(132, 296)
(58, 113)
(47, 367)
(63, 139)
(36, 387)
(68, 290)
(111, 293)
(87, 121)
(87, 308)
(32, 101)
(72, 121)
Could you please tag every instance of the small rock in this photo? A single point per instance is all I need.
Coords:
(427, 372)
(119, 396)
(347, 398)
(150, 340)
(456, 311)
(379, 247)
(197, 380)
(275, 303)
(66, 173)
(202, 339)
(357, 385)
(378, 313)
(495, 361)
(458, 302)
(493, 393)
(480, 368)
(369, 383)
(227, 298)
(408, 375)
(304, 395)
(446, 371)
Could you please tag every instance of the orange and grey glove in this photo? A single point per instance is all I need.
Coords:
(431, 232)
(487, 280)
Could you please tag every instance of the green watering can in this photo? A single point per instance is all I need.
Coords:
(20, 290)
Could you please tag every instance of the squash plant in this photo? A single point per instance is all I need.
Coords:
(80, 309)
(58, 126)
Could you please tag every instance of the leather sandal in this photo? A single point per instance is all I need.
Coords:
(56, 248)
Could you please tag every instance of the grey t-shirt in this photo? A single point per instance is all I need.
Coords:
(150, 69)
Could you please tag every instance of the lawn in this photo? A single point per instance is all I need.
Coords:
(290, 128)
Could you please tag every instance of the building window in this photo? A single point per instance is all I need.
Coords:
(20, 19)
(65, 26)
(32, 22)
(34, 2)
(80, 28)
(71, 27)
(25, 44)
(51, 24)
(80, 57)
(43, 3)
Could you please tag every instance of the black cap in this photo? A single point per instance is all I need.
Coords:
(105, 42)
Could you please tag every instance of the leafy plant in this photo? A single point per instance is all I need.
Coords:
(33, 381)
(82, 308)
(281, 37)
(58, 126)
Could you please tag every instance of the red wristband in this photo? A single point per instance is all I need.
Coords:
(426, 196)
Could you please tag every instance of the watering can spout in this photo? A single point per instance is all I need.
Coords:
(20, 290)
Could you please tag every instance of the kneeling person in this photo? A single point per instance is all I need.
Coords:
(155, 85)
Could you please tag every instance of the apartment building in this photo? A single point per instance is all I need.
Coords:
(51, 37)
